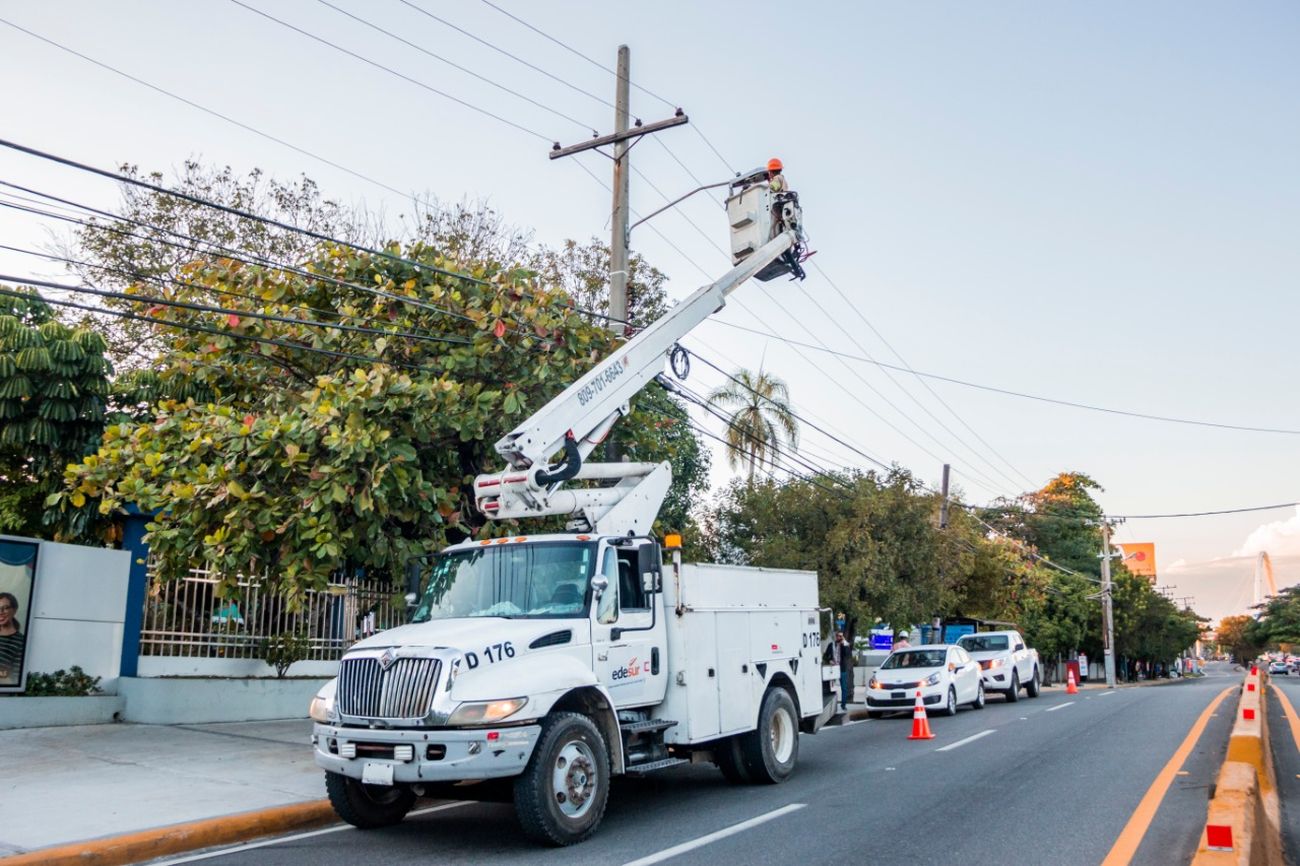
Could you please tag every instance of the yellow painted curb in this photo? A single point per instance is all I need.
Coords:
(180, 838)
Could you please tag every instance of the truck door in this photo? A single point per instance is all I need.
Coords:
(627, 633)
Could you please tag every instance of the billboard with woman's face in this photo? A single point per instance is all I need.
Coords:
(17, 589)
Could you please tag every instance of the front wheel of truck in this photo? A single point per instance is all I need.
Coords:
(367, 806)
(561, 796)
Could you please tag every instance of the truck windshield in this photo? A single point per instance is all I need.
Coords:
(984, 643)
(538, 580)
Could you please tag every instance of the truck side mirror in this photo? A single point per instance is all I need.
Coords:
(599, 583)
(650, 566)
(412, 581)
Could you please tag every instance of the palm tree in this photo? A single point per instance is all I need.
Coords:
(760, 419)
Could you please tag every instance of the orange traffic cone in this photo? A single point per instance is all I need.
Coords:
(1071, 688)
(920, 722)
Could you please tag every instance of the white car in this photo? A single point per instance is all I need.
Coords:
(946, 676)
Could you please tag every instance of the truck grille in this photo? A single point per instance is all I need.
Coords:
(401, 692)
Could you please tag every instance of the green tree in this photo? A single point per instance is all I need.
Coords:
(1061, 521)
(760, 420)
(158, 237)
(582, 270)
(308, 463)
(1279, 621)
(53, 400)
(1235, 636)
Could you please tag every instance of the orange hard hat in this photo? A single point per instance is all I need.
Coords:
(774, 164)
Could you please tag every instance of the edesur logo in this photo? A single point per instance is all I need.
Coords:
(627, 671)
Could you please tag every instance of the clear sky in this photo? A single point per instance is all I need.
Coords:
(1097, 202)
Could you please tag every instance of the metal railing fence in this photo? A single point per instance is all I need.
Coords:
(187, 618)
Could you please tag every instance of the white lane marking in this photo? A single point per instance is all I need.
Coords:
(234, 849)
(969, 739)
(1103, 694)
(660, 856)
(1060, 706)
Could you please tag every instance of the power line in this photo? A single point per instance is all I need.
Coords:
(1010, 393)
(121, 314)
(613, 72)
(423, 85)
(1205, 513)
(602, 100)
(204, 308)
(962, 442)
(227, 118)
(467, 71)
(857, 310)
(224, 252)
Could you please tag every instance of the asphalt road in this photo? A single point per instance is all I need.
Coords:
(1053, 780)
(1284, 738)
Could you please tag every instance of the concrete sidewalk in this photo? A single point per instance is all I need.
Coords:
(71, 784)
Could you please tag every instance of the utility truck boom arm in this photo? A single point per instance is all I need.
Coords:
(581, 416)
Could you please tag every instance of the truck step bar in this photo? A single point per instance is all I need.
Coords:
(650, 726)
(642, 769)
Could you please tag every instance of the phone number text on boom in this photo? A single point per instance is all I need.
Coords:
(596, 385)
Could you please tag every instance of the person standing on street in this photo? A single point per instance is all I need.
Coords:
(841, 654)
(902, 642)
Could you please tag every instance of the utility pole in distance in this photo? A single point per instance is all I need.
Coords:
(624, 136)
(1107, 611)
(943, 503)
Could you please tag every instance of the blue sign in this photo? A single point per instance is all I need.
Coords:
(882, 641)
(951, 633)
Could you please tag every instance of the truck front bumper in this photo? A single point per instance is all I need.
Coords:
(442, 755)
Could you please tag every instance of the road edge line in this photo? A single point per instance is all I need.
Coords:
(179, 838)
(1126, 844)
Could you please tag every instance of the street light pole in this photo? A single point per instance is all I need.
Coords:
(1107, 610)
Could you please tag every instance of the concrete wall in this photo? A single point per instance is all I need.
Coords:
(78, 610)
(180, 666)
(179, 700)
(25, 712)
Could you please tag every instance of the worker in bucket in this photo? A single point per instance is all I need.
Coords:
(781, 193)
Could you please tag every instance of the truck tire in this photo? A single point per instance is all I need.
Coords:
(561, 795)
(771, 750)
(367, 807)
(1013, 693)
(1034, 686)
(731, 761)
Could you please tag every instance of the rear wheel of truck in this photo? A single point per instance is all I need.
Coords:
(1034, 686)
(561, 796)
(772, 749)
(731, 761)
(367, 806)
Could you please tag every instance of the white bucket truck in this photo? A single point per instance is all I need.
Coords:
(536, 667)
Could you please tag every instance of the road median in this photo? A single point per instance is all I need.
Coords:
(1243, 820)
(180, 838)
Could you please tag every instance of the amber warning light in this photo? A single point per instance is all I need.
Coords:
(673, 541)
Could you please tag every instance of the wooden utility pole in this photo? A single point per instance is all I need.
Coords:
(618, 239)
(624, 136)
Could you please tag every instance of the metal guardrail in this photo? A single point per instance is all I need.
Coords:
(187, 618)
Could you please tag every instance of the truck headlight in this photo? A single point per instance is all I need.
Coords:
(992, 663)
(932, 680)
(486, 712)
(322, 706)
